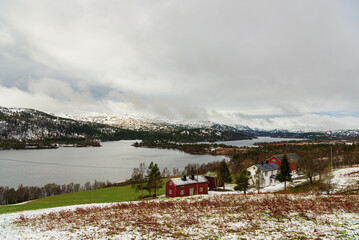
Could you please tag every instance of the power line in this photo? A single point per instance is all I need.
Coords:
(61, 164)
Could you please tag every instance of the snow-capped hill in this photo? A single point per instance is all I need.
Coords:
(30, 124)
(155, 124)
(344, 133)
(163, 125)
(127, 122)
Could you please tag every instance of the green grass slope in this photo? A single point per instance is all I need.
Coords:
(105, 195)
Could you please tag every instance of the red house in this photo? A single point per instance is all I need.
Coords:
(277, 159)
(186, 186)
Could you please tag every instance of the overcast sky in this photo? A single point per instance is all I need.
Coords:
(266, 64)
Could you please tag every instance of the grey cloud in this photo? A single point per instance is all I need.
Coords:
(273, 61)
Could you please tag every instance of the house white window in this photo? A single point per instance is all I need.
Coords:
(200, 189)
(170, 191)
(182, 192)
(191, 191)
(170, 183)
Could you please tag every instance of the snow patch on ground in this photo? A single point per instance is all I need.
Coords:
(220, 216)
(346, 178)
(9, 230)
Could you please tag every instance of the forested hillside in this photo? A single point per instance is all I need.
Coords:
(19, 127)
(28, 125)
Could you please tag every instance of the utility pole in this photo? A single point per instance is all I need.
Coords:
(331, 157)
(197, 180)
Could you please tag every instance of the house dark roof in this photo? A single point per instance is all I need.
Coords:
(292, 157)
(267, 167)
(188, 181)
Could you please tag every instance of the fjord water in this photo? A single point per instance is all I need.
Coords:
(114, 161)
(251, 142)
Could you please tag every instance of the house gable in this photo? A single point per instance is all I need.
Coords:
(277, 159)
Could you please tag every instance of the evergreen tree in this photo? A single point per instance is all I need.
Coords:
(284, 173)
(148, 186)
(223, 174)
(153, 178)
(243, 181)
(156, 179)
(258, 179)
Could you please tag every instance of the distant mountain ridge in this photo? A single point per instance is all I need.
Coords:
(159, 125)
(30, 124)
(21, 124)
(154, 124)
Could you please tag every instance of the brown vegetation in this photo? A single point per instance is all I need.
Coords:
(200, 216)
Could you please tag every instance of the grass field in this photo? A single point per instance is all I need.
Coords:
(105, 195)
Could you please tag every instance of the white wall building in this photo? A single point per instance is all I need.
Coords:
(269, 171)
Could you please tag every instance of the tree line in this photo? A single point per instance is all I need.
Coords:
(192, 148)
(26, 193)
(320, 155)
(146, 179)
(315, 163)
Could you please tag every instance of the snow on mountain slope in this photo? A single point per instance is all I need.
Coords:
(29, 124)
(153, 124)
(125, 122)
(20, 123)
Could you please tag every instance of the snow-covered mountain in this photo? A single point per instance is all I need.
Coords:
(29, 124)
(126, 122)
(161, 125)
(344, 133)
(154, 124)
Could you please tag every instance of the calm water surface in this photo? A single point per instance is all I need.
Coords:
(113, 161)
(248, 143)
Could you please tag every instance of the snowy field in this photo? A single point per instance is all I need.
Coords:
(343, 179)
(223, 216)
(219, 215)
(346, 178)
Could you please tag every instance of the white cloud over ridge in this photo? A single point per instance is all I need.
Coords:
(272, 64)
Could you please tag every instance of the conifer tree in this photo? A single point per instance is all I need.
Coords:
(243, 181)
(153, 178)
(223, 174)
(284, 173)
(156, 179)
(148, 186)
